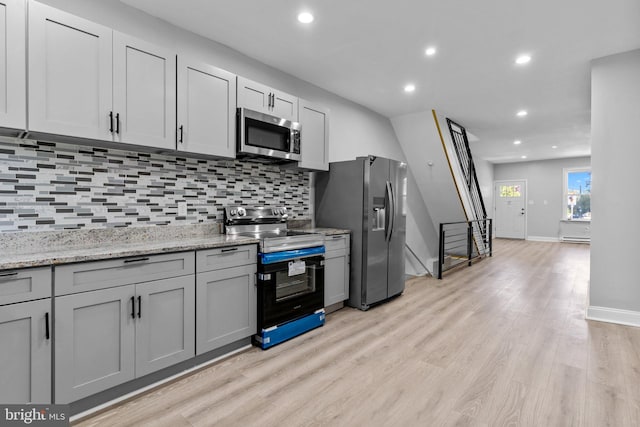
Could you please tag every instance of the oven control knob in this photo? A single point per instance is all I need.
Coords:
(242, 212)
(233, 212)
(283, 211)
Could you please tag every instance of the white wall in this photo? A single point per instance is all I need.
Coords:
(615, 148)
(545, 199)
(354, 130)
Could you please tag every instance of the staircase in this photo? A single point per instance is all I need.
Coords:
(474, 208)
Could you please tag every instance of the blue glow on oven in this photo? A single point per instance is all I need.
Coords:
(274, 257)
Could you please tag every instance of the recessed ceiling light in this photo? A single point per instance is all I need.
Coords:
(554, 146)
(523, 157)
(305, 17)
(409, 88)
(523, 59)
(522, 113)
(430, 51)
(518, 142)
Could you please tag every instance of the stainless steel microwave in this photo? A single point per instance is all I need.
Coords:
(264, 135)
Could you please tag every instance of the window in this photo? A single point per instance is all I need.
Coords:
(509, 191)
(577, 194)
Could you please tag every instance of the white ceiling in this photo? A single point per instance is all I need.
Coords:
(367, 50)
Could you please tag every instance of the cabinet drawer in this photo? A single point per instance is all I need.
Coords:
(340, 241)
(233, 256)
(24, 284)
(90, 276)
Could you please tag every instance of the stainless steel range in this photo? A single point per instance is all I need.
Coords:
(290, 272)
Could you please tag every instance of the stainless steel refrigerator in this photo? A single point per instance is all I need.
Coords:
(367, 196)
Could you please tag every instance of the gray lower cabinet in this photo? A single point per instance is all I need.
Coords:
(109, 336)
(336, 269)
(226, 303)
(165, 324)
(25, 352)
(94, 342)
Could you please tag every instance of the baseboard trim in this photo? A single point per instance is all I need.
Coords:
(613, 315)
(543, 239)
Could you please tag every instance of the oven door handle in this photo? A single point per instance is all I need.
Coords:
(389, 220)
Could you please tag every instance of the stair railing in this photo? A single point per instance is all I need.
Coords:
(456, 243)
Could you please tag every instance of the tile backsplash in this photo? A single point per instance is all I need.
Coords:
(53, 186)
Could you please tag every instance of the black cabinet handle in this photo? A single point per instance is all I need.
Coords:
(127, 261)
(133, 308)
(181, 133)
(46, 325)
(139, 306)
(111, 121)
(118, 123)
(229, 250)
(15, 273)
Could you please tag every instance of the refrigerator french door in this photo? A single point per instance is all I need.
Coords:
(367, 196)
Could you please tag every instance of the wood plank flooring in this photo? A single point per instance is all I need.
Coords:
(501, 343)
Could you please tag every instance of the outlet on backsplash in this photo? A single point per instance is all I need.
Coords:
(182, 208)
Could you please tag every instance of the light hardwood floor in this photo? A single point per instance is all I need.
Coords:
(501, 343)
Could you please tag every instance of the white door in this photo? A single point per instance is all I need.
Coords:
(510, 209)
(70, 69)
(12, 64)
(144, 92)
(206, 109)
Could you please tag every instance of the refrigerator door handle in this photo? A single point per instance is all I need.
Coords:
(391, 209)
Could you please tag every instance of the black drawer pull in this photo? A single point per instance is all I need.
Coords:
(139, 306)
(337, 237)
(133, 308)
(127, 261)
(15, 273)
(229, 250)
(46, 325)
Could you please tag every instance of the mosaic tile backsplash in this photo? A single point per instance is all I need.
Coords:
(55, 186)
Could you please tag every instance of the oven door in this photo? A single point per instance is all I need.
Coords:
(289, 289)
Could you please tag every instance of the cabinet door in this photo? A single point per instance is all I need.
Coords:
(335, 265)
(314, 136)
(226, 307)
(206, 109)
(284, 106)
(13, 89)
(70, 69)
(254, 96)
(165, 326)
(144, 92)
(25, 353)
(94, 342)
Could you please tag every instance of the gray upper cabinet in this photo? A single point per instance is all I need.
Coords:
(336, 269)
(258, 97)
(25, 352)
(70, 74)
(206, 109)
(144, 92)
(87, 81)
(314, 120)
(13, 91)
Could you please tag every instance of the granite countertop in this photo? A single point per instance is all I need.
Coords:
(36, 249)
(22, 250)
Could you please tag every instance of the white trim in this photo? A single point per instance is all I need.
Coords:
(139, 391)
(543, 239)
(613, 315)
